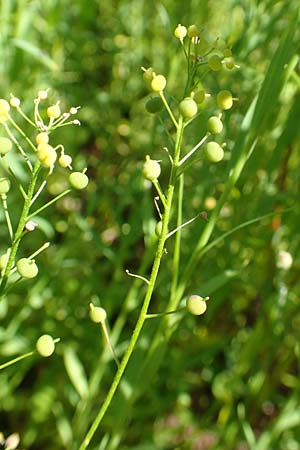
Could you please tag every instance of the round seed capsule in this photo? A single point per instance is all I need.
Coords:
(4, 185)
(153, 105)
(196, 305)
(224, 99)
(65, 160)
(97, 314)
(148, 74)
(199, 96)
(42, 138)
(193, 31)
(188, 108)
(4, 107)
(27, 268)
(45, 345)
(5, 145)
(46, 155)
(180, 32)
(151, 169)
(229, 63)
(78, 180)
(214, 125)
(215, 63)
(53, 112)
(158, 83)
(214, 152)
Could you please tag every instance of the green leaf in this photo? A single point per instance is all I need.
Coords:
(76, 372)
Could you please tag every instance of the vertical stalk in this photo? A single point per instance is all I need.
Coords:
(149, 292)
(20, 228)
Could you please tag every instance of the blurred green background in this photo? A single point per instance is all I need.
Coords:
(230, 379)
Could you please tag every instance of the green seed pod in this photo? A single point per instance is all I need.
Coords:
(192, 31)
(215, 63)
(158, 83)
(196, 305)
(188, 108)
(199, 96)
(153, 105)
(4, 185)
(214, 125)
(5, 145)
(78, 180)
(224, 99)
(148, 74)
(214, 152)
(151, 169)
(27, 268)
(97, 314)
(45, 345)
(229, 63)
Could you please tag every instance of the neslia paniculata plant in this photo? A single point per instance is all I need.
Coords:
(200, 60)
(40, 160)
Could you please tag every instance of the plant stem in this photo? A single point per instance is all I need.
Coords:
(20, 228)
(7, 217)
(148, 296)
(48, 204)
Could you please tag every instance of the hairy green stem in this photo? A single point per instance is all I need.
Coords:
(148, 296)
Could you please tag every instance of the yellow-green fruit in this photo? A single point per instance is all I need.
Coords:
(158, 83)
(188, 108)
(97, 314)
(214, 125)
(5, 145)
(196, 305)
(4, 185)
(199, 96)
(148, 74)
(65, 160)
(45, 345)
(229, 63)
(27, 268)
(78, 180)
(215, 63)
(53, 112)
(180, 31)
(151, 169)
(224, 99)
(42, 138)
(4, 106)
(153, 105)
(192, 31)
(214, 152)
(46, 155)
